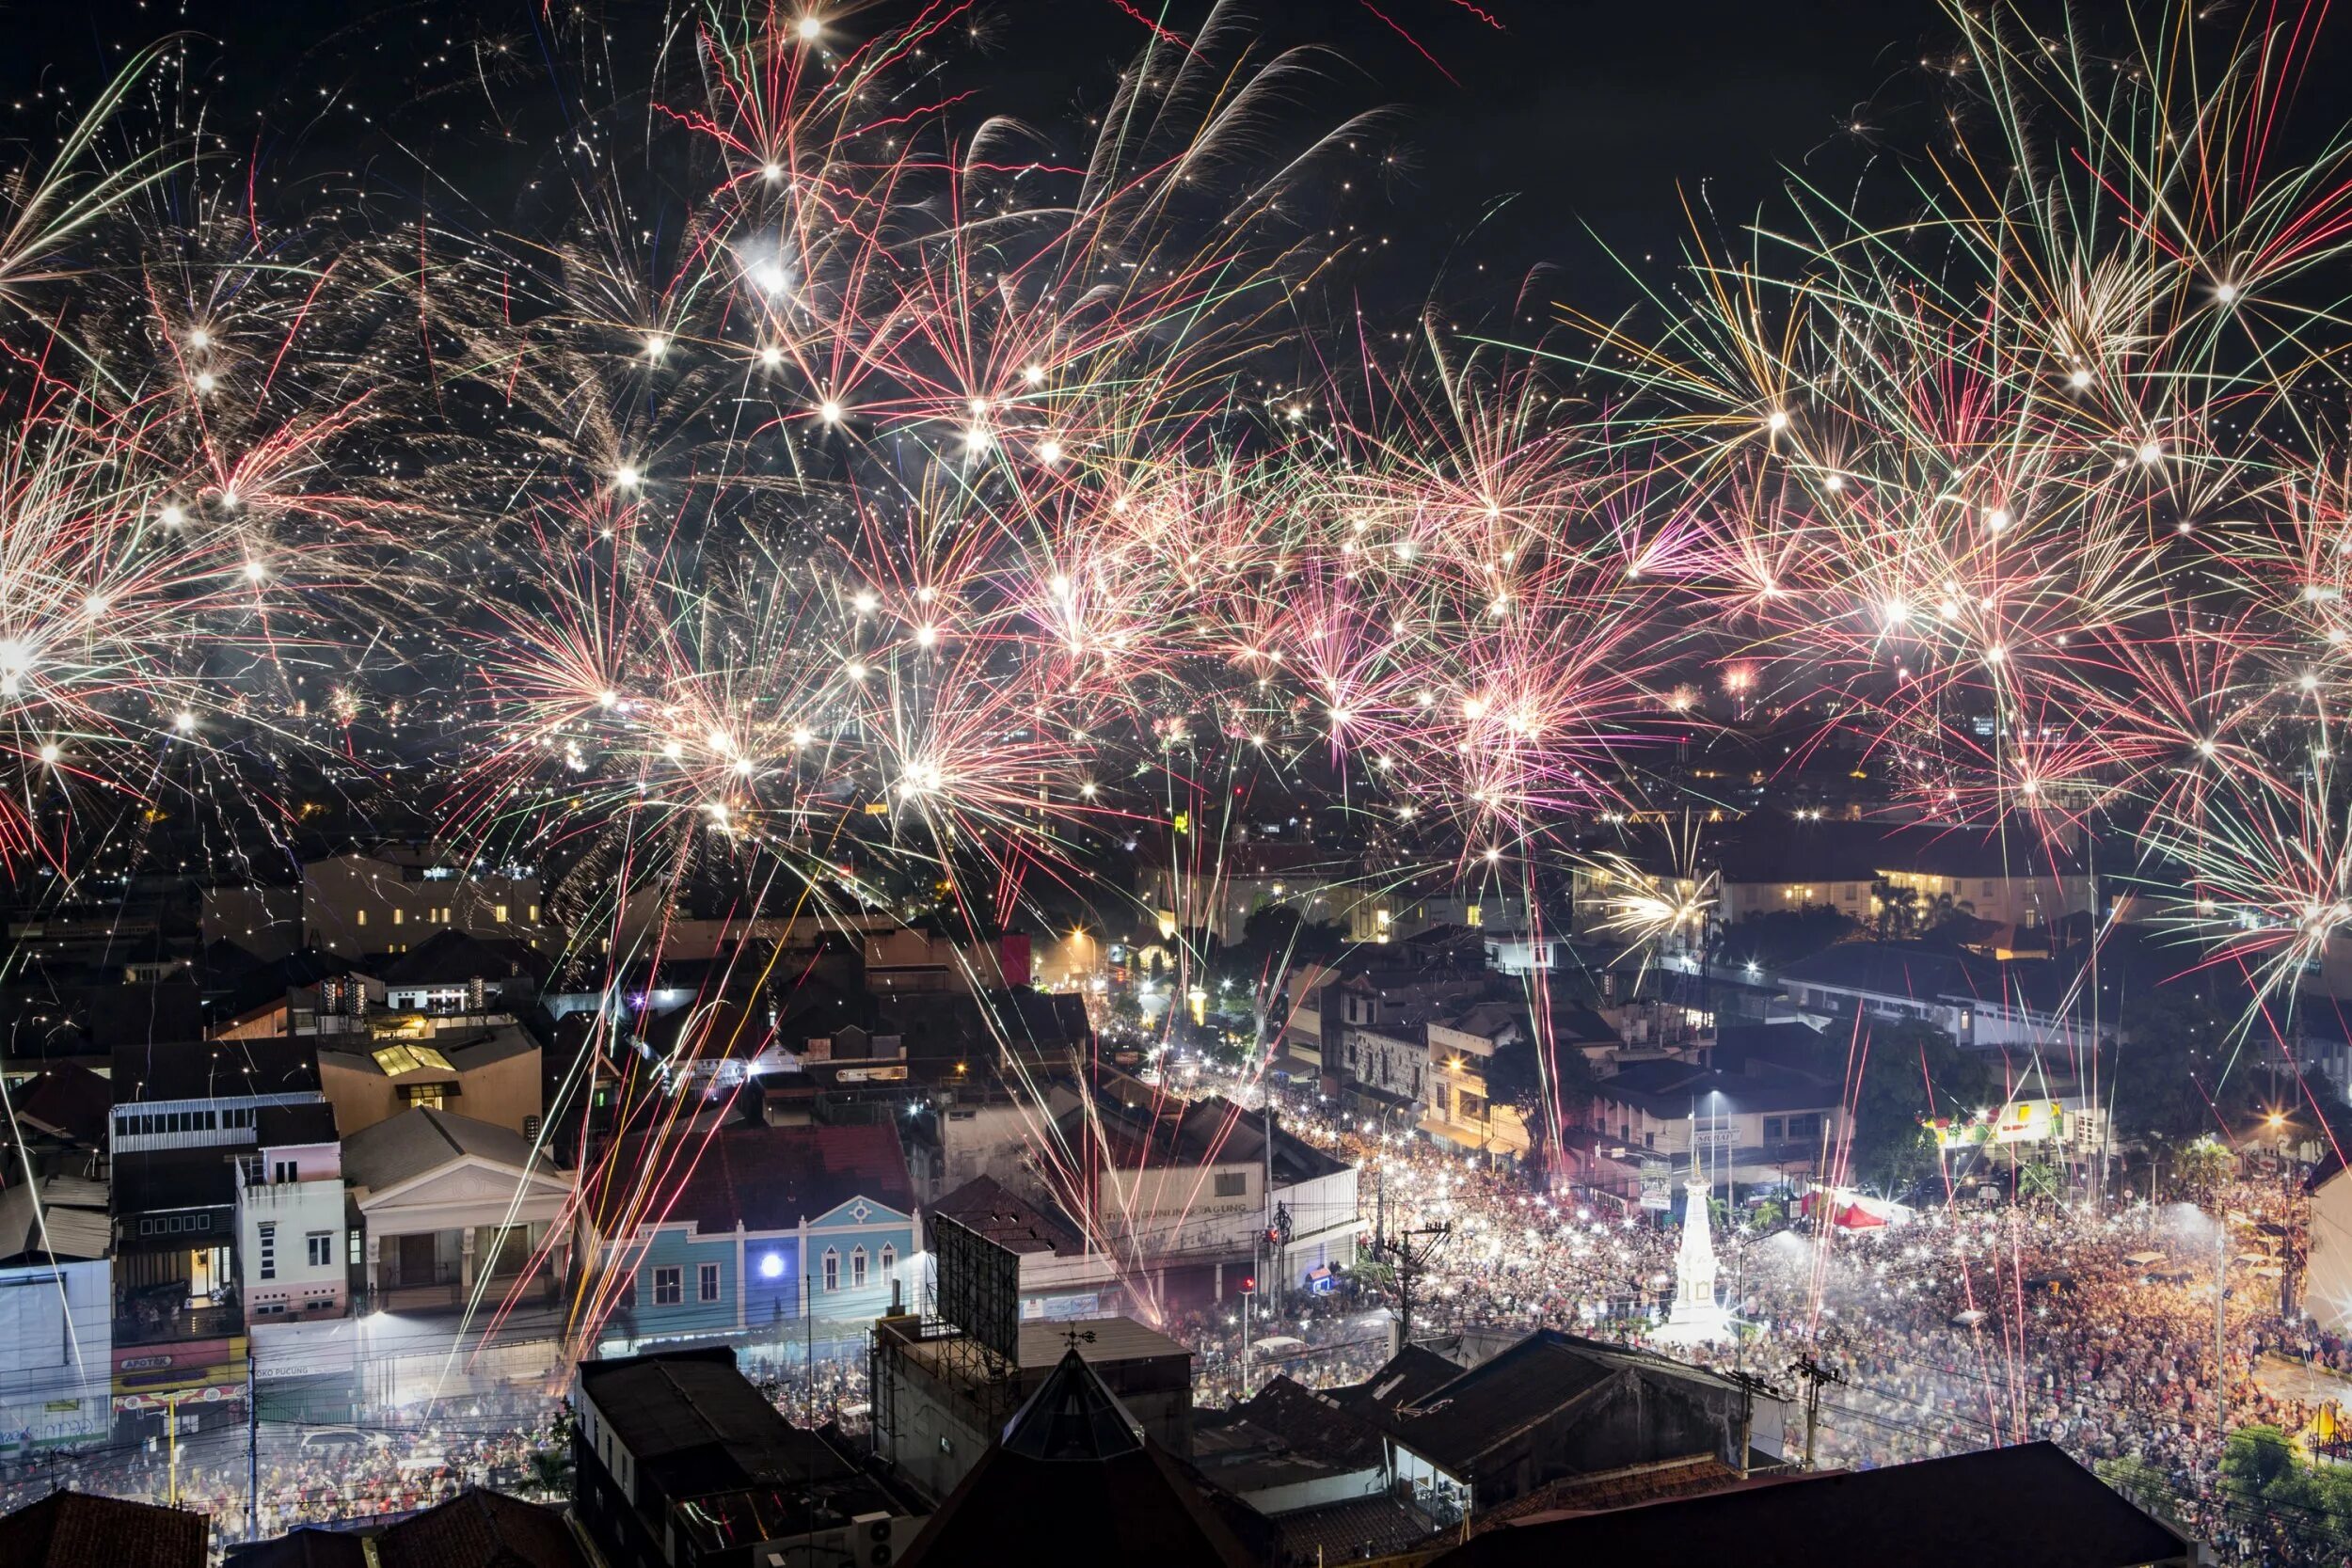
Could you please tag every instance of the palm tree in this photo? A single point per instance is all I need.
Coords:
(1898, 908)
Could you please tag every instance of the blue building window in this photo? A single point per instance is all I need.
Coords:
(890, 1264)
(832, 1270)
(707, 1282)
(857, 1269)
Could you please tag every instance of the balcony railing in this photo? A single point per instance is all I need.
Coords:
(146, 1325)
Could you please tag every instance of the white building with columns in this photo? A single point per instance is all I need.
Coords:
(450, 1206)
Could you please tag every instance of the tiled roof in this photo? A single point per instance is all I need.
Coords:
(424, 1138)
(2029, 1506)
(986, 1205)
(68, 1102)
(75, 1530)
(769, 1178)
(480, 1530)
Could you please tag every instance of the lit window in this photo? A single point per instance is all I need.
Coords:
(400, 917)
(363, 917)
(498, 912)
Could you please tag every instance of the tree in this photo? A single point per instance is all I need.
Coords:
(2172, 1077)
(1911, 1072)
(1777, 940)
(1275, 941)
(1898, 908)
(1514, 1079)
(2203, 1166)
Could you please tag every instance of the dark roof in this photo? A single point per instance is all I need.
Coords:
(75, 1530)
(1404, 1378)
(986, 1205)
(698, 1426)
(1973, 853)
(1075, 1485)
(259, 984)
(1783, 1044)
(1769, 847)
(1345, 1531)
(307, 1547)
(1895, 968)
(200, 1069)
(2023, 1507)
(68, 1102)
(1138, 1124)
(1315, 1424)
(480, 1530)
(1573, 1024)
(148, 1181)
(453, 955)
(1669, 1088)
(144, 1014)
(276, 1126)
(769, 1178)
(1455, 1422)
(1071, 1418)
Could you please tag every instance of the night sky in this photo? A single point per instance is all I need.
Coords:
(1509, 142)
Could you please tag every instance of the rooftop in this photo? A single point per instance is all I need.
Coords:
(214, 1069)
(68, 1102)
(75, 1530)
(1075, 1485)
(985, 1205)
(1113, 1340)
(768, 1177)
(698, 1427)
(424, 1138)
(151, 1181)
(279, 1125)
(2023, 1507)
(478, 1528)
(68, 1222)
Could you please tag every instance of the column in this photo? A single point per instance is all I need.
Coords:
(465, 1259)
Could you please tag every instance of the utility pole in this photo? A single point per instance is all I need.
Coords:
(1813, 1375)
(1749, 1386)
(1274, 1271)
(1246, 1298)
(1409, 1263)
(2221, 1329)
(252, 1453)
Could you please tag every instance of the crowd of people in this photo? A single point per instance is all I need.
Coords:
(1954, 1328)
(307, 1473)
(2089, 1324)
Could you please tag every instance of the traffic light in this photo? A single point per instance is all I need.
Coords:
(1248, 1283)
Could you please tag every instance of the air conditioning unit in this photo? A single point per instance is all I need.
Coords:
(878, 1537)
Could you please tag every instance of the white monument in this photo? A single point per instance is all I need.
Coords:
(1697, 1318)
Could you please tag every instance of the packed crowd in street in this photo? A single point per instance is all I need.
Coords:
(1957, 1328)
(2091, 1325)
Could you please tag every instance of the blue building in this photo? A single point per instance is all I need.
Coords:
(749, 1228)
